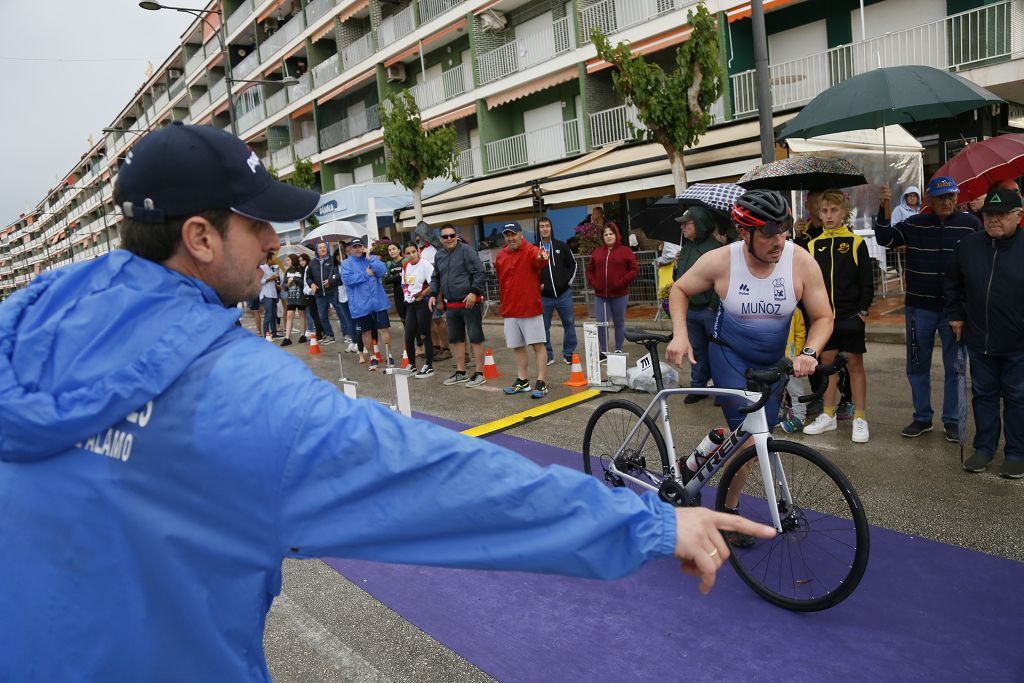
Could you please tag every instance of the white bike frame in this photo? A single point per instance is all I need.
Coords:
(754, 425)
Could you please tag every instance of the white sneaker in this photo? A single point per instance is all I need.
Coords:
(860, 430)
(822, 423)
(352, 348)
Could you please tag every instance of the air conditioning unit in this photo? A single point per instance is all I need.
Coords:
(492, 21)
(396, 73)
(174, 73)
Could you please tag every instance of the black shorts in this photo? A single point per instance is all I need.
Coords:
(254, 304)
(462, 321)
(373, 321)
(847, 335)
(296, 307)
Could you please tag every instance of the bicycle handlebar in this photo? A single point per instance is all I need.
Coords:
(766, 378)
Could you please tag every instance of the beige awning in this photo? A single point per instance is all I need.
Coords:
(725, 153)
(897, 140)
(537, 85)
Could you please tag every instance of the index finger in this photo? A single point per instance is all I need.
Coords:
(727, 522)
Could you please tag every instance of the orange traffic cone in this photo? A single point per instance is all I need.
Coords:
(490, 369)
(405, 359)
(314, 347)
(577, 378)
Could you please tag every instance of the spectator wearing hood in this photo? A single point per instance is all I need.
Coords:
(698, 227)
(910, 204)
(610, 270)
(556, 280)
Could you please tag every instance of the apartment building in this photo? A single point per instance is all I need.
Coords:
(520, 82)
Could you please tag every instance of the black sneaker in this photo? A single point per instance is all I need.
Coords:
(1012, 469)
(694, 398)
(952, 433)
(286, 342)
(735, 538)
(327, 340)
(424, 372)
(916, 429)
(302, 339)
(521, 386)
(457, 378)
(976, 463)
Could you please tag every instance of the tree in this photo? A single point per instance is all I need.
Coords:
(415, 155)
(303, 175)
(674, 107)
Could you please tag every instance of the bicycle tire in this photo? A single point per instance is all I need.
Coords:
(808, 567)
(616, 419)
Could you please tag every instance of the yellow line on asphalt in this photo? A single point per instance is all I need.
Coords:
(531, 414)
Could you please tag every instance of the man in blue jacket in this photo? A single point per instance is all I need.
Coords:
(986, 311)
(930, 239)
(149, 490)
(367, 299)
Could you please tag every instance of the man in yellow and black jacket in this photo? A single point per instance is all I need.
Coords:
(846, 265)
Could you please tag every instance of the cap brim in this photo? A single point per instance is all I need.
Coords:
(279, 203)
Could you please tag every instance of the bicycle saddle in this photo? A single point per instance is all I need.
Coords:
(645, 337)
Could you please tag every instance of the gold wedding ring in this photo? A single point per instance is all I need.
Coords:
(713, 552)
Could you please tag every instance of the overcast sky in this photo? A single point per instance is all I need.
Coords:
(69, 66)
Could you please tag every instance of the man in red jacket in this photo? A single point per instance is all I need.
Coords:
(519, 265)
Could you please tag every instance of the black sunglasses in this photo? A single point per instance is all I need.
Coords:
(449, 236)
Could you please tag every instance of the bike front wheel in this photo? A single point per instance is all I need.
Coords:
(821, 554)
(643, 455)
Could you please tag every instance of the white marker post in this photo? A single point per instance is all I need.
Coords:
(592, 362)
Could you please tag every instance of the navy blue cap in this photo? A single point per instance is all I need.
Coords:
(1001, 201)
(511, 226)
(941, 185)
(357, 242)
(181, 170)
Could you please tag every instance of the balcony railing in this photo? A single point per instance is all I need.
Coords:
(282, 157)
(248, 119)
(397, 25)
(284, 34)
(326, 70)
(534, 147)
(961, 41)
(435, 8)
(465, 163)
(449, 85)
(277, 101)
(306, 147)
(358, 51)
(239, 16)
(526, 51)
(161, 102)
(176, 87)
(613, 125)
(199, 105)
(611, 16)
(218, 89)
(297, 92)
(245, 67)
(317, 9)
(352, 127)
(195, 61)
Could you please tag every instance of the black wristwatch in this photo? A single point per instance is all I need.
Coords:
(808, 351)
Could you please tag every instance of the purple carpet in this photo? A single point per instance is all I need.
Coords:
(924, 611)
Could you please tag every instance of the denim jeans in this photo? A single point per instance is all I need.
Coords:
(323, 309)
(615, 308)
(562, 304)
(992, 378)
(922, 324)
(269, 307)
(700, 324)
(348, 328)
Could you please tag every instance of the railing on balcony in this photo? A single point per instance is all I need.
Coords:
(611, 16)
(326, 70)
(306, 147)
(613, 125)
(199, 105)
(397, 25)
(176, 87)
(238, 17)
(245, 67)
(277, 101)
(317, 9)
(195, 61)
(282, 157)
(290, 30)
(434, 8)
(960, 41)
(297, 92)
(449, 85)
(351, 127)
(162, 101)
(248, 119)
(358, 51)
(534, 147)
(526, 51)
(466, 166)
(218, 89)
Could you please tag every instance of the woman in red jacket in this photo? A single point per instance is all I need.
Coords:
(611, 268)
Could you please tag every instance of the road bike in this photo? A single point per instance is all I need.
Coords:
(821, 548)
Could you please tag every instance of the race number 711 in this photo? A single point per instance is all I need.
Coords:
(644, 363)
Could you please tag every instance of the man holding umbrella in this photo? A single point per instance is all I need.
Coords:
(985, 310)
(930, 239)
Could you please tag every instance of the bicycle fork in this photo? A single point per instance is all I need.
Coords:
(771, 470)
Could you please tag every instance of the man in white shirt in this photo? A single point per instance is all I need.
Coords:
(269, 282)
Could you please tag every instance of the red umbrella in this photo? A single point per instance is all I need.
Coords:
(981, 164)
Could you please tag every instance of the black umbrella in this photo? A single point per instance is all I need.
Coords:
(658, 221)
(803, 173)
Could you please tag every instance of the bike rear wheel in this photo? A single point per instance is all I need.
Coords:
(821, 554)
(643, 456)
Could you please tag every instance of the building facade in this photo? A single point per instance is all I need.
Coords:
(518, 79)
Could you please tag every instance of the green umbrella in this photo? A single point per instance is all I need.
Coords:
(887, 96)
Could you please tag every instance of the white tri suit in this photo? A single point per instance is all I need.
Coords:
(752, 328)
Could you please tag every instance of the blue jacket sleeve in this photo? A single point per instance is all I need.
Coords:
(352, 274)
(378, 266)
(364, 482)
(886, 234)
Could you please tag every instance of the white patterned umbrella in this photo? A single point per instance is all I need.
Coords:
(716, 196)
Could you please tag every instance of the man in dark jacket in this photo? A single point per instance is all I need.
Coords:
(323, 278)
(985, 310)
(458, 281)
(698, 227)
(930, 239)
(556, 289)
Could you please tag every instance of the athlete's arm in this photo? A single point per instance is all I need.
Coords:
(699, 278)
(819, 311)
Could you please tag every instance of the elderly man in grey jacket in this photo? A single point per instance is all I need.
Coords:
(457, 287)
